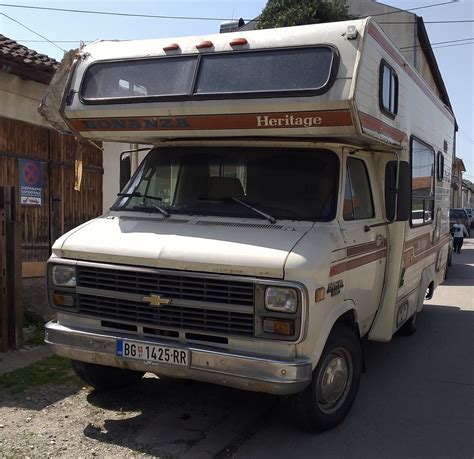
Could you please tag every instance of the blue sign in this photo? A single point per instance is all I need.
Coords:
(31, 182)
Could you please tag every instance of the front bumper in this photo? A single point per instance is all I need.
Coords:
(242, 371)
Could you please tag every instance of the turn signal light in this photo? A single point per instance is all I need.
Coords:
(63, 300)
(278, 326)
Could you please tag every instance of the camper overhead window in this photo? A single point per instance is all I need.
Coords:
(388, 90)
(262, 71)
(422, 182)
(277, 72)
(293, 184)
(139, 78)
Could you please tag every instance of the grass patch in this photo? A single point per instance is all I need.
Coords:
(35, 324)
(52, 370)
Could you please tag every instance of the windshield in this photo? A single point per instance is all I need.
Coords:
(293, 184)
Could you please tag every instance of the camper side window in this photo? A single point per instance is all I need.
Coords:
(422, 183)
(388, 90)
(358, 203)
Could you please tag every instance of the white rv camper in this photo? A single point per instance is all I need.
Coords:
(295, 201)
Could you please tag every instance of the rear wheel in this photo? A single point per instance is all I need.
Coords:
(335, 381)
(105, 378)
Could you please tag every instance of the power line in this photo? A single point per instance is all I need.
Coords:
(414, 9)
(156, 16)
(131, 39)
(452, 46)
(466, 136)
(429, 22)
(111, 13)
(31, 30)
(437, 43)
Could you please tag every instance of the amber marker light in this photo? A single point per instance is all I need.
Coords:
(319, 294)
(238, 42)
(172, 47)
(63, 300)
(278, 327)
(204, 44)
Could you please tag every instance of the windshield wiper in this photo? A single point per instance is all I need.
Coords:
(137, 194)
(143, 205)
(271, 219)
(150, 207)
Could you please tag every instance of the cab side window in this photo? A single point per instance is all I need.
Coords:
(358, 202)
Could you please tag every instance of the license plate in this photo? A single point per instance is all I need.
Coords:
(152, 353)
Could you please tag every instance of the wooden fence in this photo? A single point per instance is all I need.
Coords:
(11, 310)
(62, 208)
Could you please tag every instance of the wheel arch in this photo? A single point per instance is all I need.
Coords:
(343, 314)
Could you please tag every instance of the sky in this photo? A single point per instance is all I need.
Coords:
(456, 63)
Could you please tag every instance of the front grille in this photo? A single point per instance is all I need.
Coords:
(173, 286)
(202, 304)
(170, 316)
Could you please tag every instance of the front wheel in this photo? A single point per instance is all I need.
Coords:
(335, 381)
(105, 378)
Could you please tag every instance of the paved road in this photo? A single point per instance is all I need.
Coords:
(416, 400)
(417, 397)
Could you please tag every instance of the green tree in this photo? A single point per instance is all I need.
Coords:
(285, 13)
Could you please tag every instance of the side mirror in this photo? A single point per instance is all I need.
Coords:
(125, 169)
(397, 209)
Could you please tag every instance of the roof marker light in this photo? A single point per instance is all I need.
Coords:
(238, 42)
(204, 44)
(351, 32)
(172, 47)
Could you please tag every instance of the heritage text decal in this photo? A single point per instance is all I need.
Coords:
(308, 119)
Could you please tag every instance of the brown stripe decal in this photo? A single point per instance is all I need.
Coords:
(364, 248)
(373, 124)
(275, 120)
(398, 58)
(418, 249)
(355, 263)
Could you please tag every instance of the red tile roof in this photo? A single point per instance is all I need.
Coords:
(10, 50)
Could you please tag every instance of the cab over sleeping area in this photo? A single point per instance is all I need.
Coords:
(294, 201)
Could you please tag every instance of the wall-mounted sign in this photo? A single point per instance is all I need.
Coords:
(31, 182)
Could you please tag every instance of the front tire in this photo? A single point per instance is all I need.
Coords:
(334, 385)
(105, 378)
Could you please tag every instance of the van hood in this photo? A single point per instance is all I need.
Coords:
(218, 245)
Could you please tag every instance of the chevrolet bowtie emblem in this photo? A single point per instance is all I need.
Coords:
(155, 300)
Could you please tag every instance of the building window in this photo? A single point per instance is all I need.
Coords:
(440, 167)
(358, 202)
(422, 183)
(388, 90)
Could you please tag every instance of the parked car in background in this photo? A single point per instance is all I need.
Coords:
(454, 214)
(469, 214)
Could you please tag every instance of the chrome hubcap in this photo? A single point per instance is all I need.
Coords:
(334, 380)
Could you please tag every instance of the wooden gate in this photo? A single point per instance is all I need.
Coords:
(62, 207)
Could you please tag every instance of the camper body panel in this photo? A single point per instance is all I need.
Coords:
(420, 117)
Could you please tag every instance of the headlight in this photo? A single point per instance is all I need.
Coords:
(281, 299)
(63, 276)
